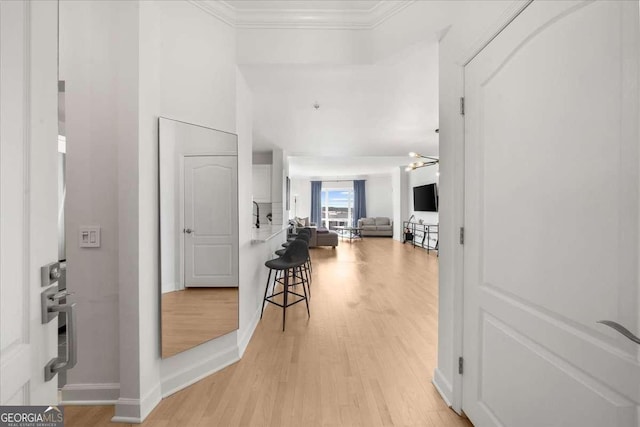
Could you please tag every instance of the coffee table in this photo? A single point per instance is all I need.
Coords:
(350, 232)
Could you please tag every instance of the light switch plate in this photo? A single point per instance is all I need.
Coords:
(89, 236)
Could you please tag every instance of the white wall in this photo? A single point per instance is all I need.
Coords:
(259, 157)
(471, 22)
(379, 196)
(286, 172)
(98, 44)
(301, 190)
(399, 189)
(127, 28)
(277, 186)
(243, 94)
(244, 127)
(421, 21)
(295, 46)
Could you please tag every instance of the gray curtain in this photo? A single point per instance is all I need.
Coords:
(359, 201)
(316, 202)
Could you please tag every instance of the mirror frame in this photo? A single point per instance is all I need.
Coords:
(202, 146)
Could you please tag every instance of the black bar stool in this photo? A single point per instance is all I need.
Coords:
(305, 276)
(302, 231)
(293, 259)
(306, 268)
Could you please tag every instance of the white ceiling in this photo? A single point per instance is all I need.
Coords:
(365, 110)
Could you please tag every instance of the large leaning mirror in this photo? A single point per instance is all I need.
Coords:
(198, 169)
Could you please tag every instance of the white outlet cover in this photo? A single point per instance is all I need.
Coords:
(89, 236)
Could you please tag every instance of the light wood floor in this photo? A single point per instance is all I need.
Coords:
(196, 315)
(365, 358)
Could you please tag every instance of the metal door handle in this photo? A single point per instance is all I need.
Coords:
(60, 295)
(188, 230)
(56, 365)
(618, 327)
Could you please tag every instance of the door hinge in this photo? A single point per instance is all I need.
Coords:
(462, 235)
(462, 105)
(460, 365)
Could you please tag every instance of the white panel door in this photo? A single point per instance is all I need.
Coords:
(211, 221)
(28, 196)
(551, 219)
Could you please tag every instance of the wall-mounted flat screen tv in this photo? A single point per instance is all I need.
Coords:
(425, 198)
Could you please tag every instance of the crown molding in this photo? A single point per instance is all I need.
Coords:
(386, 9)
(218, 9)
(348, 19)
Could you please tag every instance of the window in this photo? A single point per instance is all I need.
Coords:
(337, 207)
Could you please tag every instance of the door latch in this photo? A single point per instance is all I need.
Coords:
(49, 298)
(50, 273)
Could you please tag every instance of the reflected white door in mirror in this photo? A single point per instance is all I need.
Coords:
(198, 169)
(210, 210)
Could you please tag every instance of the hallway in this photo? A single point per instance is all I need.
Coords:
(365, 357)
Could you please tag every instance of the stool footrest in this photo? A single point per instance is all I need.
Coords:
(282, 292)
(289, 304)
(301, 281)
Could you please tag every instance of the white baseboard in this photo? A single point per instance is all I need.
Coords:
(136, 410)
(90, 394)
(125, 420)
(194, 373)
(243, 342)
(127, 411)
(443, 386)
(150, 401)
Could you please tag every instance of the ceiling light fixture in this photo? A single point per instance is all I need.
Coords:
(316, 105)
(422, 162)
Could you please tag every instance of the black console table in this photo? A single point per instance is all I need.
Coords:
(423, 234)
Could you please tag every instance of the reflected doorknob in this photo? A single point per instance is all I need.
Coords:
(188, 230)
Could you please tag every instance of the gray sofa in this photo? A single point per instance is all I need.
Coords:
(321, 239)
(378, 226)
